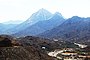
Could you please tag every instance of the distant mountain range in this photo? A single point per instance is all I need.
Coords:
(48, 25)
(74, 28)
(40, 15)
(42, 26)
(5, 27)
(39, 22)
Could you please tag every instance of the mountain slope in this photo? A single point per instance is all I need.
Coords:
(5, 27)
(74, 28)
(40, 15)
(42, 26)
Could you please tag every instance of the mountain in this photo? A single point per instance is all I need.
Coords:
(74, 28)
(40, 15)
(1, 27)
(42, 26)
(5, 27)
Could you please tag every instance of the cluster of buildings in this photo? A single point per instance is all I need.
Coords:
(68, 54)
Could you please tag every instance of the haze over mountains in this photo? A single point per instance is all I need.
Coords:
(48, 25)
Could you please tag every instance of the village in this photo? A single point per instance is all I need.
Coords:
(71, 53)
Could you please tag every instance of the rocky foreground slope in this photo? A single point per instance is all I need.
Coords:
(32, 48)
(12, 49)
(22, 53)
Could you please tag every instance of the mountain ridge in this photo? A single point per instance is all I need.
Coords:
(72, 28)
(35, 17)
(42, 26)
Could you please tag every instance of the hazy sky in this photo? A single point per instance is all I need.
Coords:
(22, 9)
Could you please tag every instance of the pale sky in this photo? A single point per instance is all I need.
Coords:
(22, 9)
